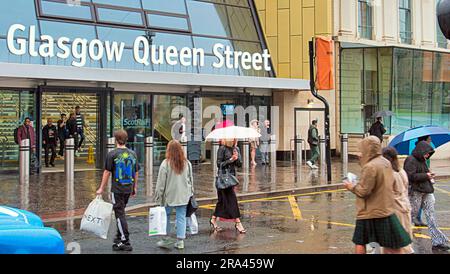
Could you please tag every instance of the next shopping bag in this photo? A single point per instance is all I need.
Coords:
(157, 220)
(97, 217)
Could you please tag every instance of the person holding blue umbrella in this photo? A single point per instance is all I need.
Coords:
(421, 195)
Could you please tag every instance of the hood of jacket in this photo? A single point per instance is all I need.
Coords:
(370, 148)
(421, 149)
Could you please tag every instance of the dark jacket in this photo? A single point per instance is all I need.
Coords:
(417, 169)
(50, 135)
(313, 136)
(224, 155)
(72, 127)
(377, 129)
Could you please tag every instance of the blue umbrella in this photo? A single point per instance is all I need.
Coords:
(405, 142)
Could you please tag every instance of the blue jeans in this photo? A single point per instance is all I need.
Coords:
(181, 220)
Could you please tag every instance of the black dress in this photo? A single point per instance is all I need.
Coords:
(227, 205)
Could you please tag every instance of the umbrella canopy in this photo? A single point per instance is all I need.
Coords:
(405, 142)
(233, 132)
(383, 113)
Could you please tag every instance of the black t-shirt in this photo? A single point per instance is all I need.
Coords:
(123, 164)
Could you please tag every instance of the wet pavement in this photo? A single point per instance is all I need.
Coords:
(50, 196)
(312, 223)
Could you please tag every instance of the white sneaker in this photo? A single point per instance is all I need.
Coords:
(309, 164)
(315, 167)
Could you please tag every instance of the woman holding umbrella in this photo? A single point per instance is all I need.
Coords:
(227, 205)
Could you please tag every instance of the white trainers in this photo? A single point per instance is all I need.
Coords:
(309, 164)
(179, 244)
(315, 167)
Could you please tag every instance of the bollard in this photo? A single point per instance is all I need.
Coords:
(184, 145)
(109, 147)
(69, 159)
(148, 157)
(298, 150)
(344, 148)
(24, 161)
(245, 155)
(323, 154)
(273, 150)
(214, 148)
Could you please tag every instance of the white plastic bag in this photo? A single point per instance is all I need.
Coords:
(157, 220)
(97, 217)
(193, 224)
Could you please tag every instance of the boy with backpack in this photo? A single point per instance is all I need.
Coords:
(122, 165)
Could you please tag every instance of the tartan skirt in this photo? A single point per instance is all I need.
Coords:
(387, 232)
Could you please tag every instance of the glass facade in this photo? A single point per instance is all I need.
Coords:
(165, 23)
(413, 84)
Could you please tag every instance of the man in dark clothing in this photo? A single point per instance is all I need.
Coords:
(313, 141)
(80, 128)
(377, 129)
(62, 133)
(49, 141)
(421, 195)
(122, 165)
(71, 127)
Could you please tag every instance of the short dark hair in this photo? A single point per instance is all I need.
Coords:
(63, 114)
(314, 122)
(77, 107)
(121, 136)
(391, 154)
(27, 118)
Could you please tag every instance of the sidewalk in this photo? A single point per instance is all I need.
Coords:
(49, 196)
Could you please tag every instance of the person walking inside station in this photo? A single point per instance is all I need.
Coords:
(401, 185)
(71, 127)
(80, 128)
(227, 207)
(50, 141)
(421, 195)
(313, 141)
(122, 165)
(378, 129)
(266, 133)
(62, 133)
(376, 220)
(174, 188)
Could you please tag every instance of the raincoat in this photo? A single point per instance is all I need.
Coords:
(417, 169)
(374, 192)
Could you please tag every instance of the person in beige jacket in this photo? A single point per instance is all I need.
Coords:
(174, 188)
(402, 206)
(376, 220)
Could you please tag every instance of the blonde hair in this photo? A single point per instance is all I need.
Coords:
(228, 142)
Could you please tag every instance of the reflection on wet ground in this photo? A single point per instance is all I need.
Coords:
(48, 194)
(325, 225)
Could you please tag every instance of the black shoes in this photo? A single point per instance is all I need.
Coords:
(122, 247)
(442, 247)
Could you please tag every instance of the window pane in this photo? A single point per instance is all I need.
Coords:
(120, 16)
(384, 84)
(65, 10)
(370, 87)
(170, 22)
(168, 39)
(216, 23)
(402, 90)
(242, 24)
(72, 31)
(208, 43)
(243, 3)
(422, 88)
(8, 57)
(17, 12)
(172, 6)
(127, 36)
(122, 3)
(351, 82)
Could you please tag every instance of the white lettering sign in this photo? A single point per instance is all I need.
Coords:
(80, 49)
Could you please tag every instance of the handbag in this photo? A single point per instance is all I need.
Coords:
(227, 180)
(191, 207)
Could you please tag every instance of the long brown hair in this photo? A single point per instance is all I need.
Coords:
(175, 156)
(391, 154)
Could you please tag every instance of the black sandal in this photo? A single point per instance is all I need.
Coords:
(214, 226)
(240, 231)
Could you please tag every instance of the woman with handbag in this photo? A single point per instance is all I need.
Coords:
(228, 158)
(174, 189)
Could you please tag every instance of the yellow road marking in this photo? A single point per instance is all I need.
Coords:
(295, 209)
(442, 190)
(418, 235)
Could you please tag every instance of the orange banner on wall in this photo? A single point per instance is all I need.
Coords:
(324, 63)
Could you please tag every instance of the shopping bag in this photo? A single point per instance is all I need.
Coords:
(97, 217)
(157, 220)
(193, 224)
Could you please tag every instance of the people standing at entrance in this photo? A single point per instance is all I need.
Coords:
(26, 131)
(62, 133)
(402, 205)
(122, 165)
(80, 128)
(376, 220)
(227, 207)
(266, 133)
(313, 141)
(254, 142)
(72, 129)
(49, 140)
(378, 129)
(421, 195)
(174, 188)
